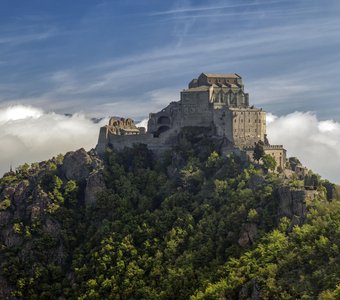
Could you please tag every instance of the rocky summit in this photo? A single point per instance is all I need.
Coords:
(192, 223)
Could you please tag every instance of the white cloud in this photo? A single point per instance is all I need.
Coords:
(208, 8)
(29, 134)
(143, 123)
(316, 143)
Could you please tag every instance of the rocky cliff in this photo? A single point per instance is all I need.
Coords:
(80, 226)
(32, 198)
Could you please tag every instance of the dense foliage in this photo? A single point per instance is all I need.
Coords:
(170, 228)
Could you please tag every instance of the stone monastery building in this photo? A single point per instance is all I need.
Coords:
(216, 101)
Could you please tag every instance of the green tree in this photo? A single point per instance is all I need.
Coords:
(269, 162)
(258, 151)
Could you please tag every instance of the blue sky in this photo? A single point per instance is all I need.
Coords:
(132, 57)
(129, 58)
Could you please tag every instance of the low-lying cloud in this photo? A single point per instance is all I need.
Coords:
(316, 143)
(29, 134)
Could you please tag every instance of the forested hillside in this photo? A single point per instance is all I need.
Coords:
(192, 224)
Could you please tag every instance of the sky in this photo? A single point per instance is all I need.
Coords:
(129, 58)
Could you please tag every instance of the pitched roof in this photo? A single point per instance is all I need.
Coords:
(214, 75)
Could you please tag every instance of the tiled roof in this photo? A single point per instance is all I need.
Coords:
(214, 75)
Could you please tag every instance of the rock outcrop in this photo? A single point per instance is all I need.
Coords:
(29, 203)
(247, 235)
(250, 291)
(292, 203)
(94, 185)
(78, 165)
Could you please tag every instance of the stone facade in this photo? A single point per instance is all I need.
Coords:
(217, 101)
(276, 151)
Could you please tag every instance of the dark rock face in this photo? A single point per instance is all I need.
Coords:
(29, 200)
(94, 185)
(250, 291)
(4, 289)
(292, 203)
(247, 235)
(255, 182)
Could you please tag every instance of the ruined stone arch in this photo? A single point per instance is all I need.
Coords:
(163, 120)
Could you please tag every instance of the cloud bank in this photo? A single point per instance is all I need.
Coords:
(29, 134)
(316, 143)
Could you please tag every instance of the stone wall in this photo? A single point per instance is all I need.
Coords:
(248, 126)
(157, 144)
(223, 125)
(168, 117)
(278, 153)
(196, 109)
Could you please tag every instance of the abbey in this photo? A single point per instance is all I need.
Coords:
(216, 101)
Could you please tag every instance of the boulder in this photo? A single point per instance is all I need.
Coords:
(77, 165)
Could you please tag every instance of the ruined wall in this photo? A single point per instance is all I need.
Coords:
(168, 117)
(157, 144)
